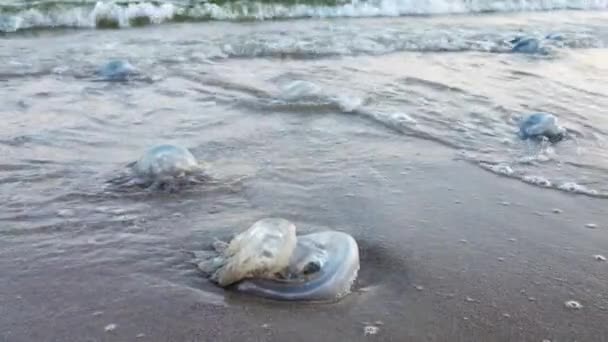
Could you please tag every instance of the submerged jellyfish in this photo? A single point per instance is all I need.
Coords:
(537, 46)
(164, 167)
(301, 90)
(166, 161)
(554, 36)
(526, 45)
(116, 70)
(268, 260)
(539, 125)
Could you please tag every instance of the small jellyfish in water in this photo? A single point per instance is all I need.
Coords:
(526, 45)
(166, 167)
(166, 161)
(269, 260)
(300, 90)
(117, 70)
(539, 125)
(539, 46)
(554, 36)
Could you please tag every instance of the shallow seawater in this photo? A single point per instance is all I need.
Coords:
(331, 123)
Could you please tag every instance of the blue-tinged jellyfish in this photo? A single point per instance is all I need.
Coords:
(165, 167)
(116, 70)
(554, 36)
(541, 125)
(526, 45)
(269, 260)
(532, 45)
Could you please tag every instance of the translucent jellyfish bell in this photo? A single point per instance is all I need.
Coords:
(116, 70)
(164, 161)
(526, 45)
(323, 267)
(165, 167)
(540, 125)
(261, 251)
(300, 90)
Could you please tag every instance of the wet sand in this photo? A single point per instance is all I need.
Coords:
(449, 252)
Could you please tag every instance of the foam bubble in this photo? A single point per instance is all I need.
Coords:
(110, 327)
(502, 169)
(403, 118)
(370, 330)
(349, 103)
(537, 180)
(576, 188)
(573, 304)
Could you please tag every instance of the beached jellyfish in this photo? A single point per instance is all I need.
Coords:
(261, 251)
(539, 125)
(167, 167)
(323, 267)
(116, 70)
(319, 266)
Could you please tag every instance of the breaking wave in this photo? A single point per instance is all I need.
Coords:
(67, 14)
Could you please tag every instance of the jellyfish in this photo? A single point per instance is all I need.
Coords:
(539, 125)
(116, 70)
(167, 167)
(268, 260)
(526, 45)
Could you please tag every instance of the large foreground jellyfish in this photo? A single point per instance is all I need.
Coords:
(164, 167)
(541, 125)
(270, 261)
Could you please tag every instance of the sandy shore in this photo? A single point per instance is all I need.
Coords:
(449, 253)
(368, 144)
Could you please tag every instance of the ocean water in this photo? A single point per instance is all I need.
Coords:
(19, 15)
(287, 102)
